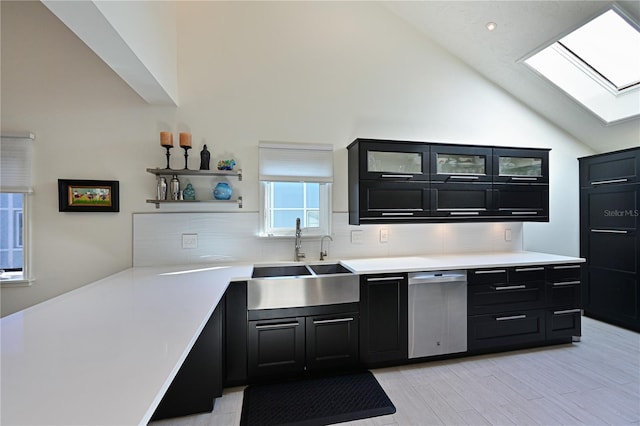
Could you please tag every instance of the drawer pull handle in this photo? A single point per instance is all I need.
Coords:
(530, 179)
(384, 279)
(610, 231)
(524, 212)
(397, 176)
(566, 283)
(604, 182)
(469, 213)
(529, 269)
(567, 311)
(398, 214)
(510, 287)
(464, 177)
(512, 317)
(493, 271)
(332, 321)
(283, 325)
(567, 267)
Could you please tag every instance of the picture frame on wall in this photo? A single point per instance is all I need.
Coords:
(88, 195)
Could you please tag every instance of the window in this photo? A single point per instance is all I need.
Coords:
(295, 182)
(598, 65)
(15, 187)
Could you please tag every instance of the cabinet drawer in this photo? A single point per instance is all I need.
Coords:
(562, 273)
(610, 169)
(487, 276)
(563, 293)
(613, 250)
(523, 274)
(526, 201)
(563, 323)
(505, 330)
(486, 298)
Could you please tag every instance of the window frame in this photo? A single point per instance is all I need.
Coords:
(324, 209)
(12, 278)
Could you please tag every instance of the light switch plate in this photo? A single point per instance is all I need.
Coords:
(384, 235)
(189, 241)
(507, 234)
(356, 237)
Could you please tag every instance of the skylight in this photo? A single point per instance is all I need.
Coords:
(598, 65)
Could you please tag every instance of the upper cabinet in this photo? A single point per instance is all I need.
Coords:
(461, 163)
(392, 160)
(521, 165)
(401, 182)
(616, 168)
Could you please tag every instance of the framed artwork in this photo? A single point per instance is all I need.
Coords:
(88, 195)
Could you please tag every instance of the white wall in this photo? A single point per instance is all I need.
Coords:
(292, 71)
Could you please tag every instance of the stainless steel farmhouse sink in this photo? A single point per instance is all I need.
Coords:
(292, 286)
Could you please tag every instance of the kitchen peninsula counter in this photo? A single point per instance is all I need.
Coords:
(107, 352)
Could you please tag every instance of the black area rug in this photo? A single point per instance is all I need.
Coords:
(316, 401)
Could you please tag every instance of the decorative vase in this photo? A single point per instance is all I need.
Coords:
(189, 193)
(222, 191)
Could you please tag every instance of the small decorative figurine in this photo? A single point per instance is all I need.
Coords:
(226, 164)
(222, 191)
(205, 156)
(189, 193)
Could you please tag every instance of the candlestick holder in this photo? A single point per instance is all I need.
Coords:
(186, 156)
(168, 147)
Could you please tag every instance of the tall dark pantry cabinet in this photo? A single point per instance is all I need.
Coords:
(609, 236)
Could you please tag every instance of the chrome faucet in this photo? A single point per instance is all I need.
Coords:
(323, 253)
(298, 254)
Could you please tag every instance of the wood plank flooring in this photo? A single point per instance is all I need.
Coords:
(592, 382)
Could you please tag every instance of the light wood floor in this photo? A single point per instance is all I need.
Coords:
(592, 382)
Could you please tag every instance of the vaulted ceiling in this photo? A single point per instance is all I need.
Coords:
(522, 27)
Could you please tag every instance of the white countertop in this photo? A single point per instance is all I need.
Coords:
(455, 261)
(107, 352)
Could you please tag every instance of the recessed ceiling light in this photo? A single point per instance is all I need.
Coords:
(491, 26)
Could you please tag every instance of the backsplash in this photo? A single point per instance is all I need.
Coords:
(232, 237)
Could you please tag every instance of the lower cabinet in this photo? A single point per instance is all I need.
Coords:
(523, 306)
(291, 346)
(384, 319)
(199, 381)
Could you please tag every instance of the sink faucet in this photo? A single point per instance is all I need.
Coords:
(323, 253)
(298, 254)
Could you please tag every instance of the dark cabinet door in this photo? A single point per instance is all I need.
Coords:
(526, 202)
(235, 334)
(199, 381)
(384, 321)
(615, 168)
(332, 341)
(612, 296)
(276, 347)
(456, 164)
(563, 323)
(487, 298)
(392, 160)
(391, 201)
(611, 207)
(457, 200)
(520, 165)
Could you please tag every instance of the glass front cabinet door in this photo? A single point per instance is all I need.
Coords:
(521, 165)
(393, 160)
(456, 164)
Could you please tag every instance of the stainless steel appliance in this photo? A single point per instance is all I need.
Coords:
(437, 313)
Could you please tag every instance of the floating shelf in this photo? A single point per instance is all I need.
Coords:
(158, 202)
(189, 172)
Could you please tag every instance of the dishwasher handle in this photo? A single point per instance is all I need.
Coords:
(437, 277)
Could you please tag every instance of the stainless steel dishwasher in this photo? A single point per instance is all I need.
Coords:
(437, 313)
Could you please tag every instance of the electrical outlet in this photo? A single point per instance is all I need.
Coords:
(384, 235)
(507, 234)
(189, 241)
(356, 237)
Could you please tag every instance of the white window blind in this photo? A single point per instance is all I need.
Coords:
(296, 162)
(16, 152)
